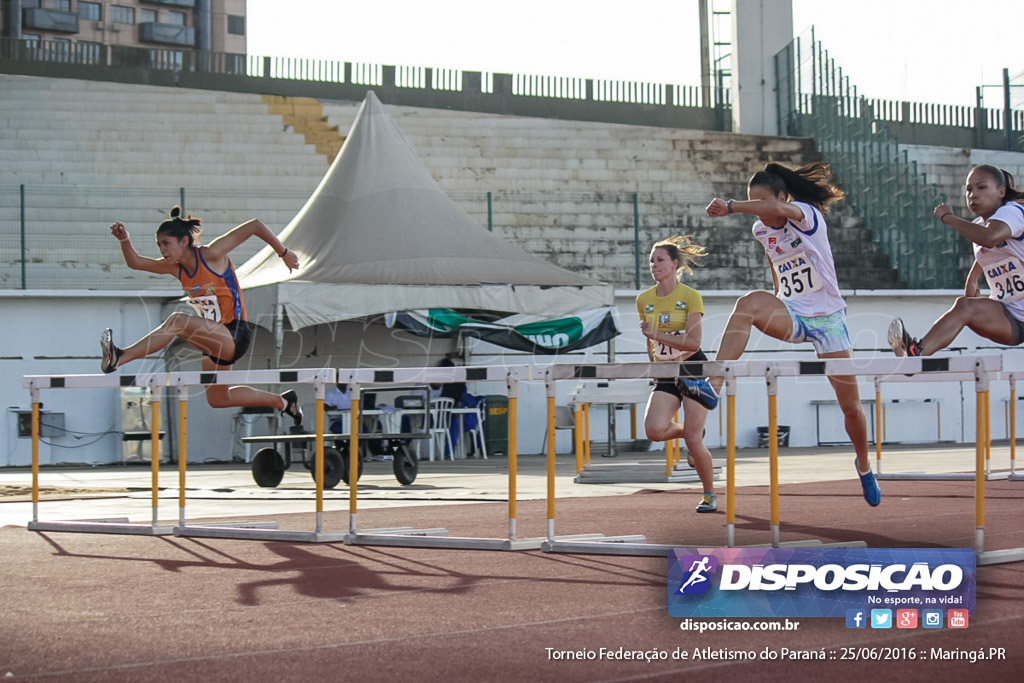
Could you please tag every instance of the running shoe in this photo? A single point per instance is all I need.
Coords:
(900, 340)
(111, 353)
(872, 494)
(708, 504)
(699, 389)
(292, 406)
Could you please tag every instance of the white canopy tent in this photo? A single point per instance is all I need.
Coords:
(379, 235)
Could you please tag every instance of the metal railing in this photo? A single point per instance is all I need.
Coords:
(361, 74)
(57, 236)
(816, 100)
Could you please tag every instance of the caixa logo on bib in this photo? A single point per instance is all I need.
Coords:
(822, 582)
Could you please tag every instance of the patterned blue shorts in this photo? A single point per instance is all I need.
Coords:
(828, 333)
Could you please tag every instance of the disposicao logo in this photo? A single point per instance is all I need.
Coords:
(819, 582)
(697, 580)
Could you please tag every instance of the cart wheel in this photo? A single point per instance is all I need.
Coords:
(405, 464)
(344, 468)
(268, 468)
(334, 465)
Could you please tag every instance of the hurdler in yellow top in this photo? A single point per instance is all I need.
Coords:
(669, 313)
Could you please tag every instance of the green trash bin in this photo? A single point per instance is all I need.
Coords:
(496, 424)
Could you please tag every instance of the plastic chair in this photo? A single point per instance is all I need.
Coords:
(475, 432)
(440, 426)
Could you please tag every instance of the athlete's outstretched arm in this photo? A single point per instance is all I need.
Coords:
(987, 234)
(219, 248)
(134, 259)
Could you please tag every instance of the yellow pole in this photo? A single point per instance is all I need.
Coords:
(353, 451)
(979, 464)
(730, 462)
(878, 426)
(988, 430)
(154, 436)
(773, 458)
(632, 422)
(35, 454)
(586, 433)
(512, 456)
(578, 437)
(551, 460)
(938, 420)
(577, 442)
(182, 452)
(1013, 426)
(319, 464)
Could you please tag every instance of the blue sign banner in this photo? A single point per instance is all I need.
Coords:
(817, 582)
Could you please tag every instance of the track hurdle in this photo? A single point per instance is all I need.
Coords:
(437, 537)
(180, 381)
(980, 368)
(265, 531)
(984, 437)
(36, 383)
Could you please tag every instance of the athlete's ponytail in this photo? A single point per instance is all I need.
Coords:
(811, 183)
(179, 227)
(679, 248)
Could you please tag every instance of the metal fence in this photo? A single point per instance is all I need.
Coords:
(57, 236)
(816, 100)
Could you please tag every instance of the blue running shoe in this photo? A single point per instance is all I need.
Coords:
(699, 390)
(872, 494)
(708, 504)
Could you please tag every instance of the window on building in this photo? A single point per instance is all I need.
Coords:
(32, 38)
(236, 25)
(29, 4)
(62, 5)
(90, 10)
(122, 14)
(176, 18)
(88, 52)
(147, 16)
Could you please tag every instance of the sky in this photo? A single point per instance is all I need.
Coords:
(935, 51)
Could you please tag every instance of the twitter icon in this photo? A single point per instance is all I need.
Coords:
(881, 618)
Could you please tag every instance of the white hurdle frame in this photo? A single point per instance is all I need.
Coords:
(178, 380)
(437, 537)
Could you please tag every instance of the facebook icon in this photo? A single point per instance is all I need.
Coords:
(856, 618)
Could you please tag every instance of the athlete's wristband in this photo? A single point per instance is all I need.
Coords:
(281, 255)
(728, 205)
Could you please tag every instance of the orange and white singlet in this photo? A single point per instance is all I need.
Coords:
(213, 296)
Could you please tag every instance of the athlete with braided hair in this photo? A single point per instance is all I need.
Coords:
(218, 328)
(806, 305)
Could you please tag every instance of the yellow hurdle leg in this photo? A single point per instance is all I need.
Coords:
(773, 458)
(1013, 427)
(551, 466)
(979, 472)
(182, 451)
(513, 437)
(35, 455)
(154, 436)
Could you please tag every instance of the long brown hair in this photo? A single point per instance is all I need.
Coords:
(811, 184)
